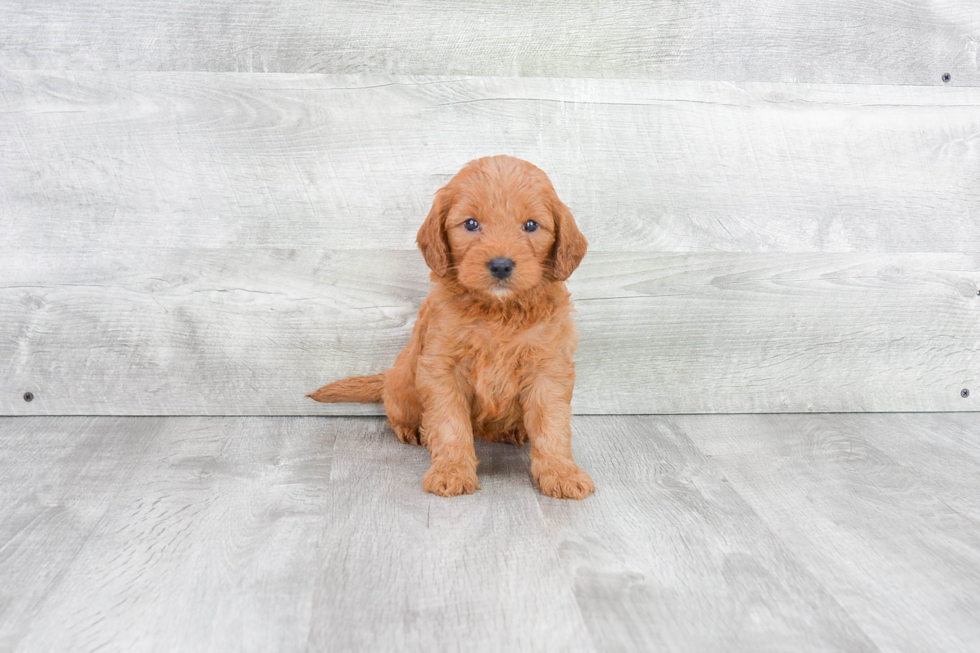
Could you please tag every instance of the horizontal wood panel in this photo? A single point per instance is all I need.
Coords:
(837, 41)
(250, 331)
(351, 162)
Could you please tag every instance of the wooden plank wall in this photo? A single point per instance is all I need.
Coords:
(210, 209)
(808, 41)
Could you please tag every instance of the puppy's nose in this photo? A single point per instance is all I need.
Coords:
(501, 267)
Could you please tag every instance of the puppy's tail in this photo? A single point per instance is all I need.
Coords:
(363, 389)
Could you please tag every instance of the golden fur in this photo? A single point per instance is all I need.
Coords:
(488, 357)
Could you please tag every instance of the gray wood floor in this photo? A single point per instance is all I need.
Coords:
(713, 532)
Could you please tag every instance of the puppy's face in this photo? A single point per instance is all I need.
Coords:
(499, 227)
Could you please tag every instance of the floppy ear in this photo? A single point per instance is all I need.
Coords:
(432, 234)
(570, 245)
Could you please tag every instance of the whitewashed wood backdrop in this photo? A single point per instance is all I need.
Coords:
(210, 208)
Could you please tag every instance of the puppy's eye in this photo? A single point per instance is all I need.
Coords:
(470, 224)
(530, 226)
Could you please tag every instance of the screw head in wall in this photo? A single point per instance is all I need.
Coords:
(964, 393)
(947, 77)
(28, 397)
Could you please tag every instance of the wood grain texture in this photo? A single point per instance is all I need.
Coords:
(118, 160)
(667, 557)
(251, 331)
(883, 509)
(479, 574)
(210, 544)
(735, 533)
(58, 478)
(871, 41)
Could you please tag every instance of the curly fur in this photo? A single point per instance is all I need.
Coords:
(488, 358)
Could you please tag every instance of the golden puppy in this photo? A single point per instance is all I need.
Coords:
(491, 352)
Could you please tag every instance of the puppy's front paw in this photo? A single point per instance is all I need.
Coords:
(450, 481)
(565, 483)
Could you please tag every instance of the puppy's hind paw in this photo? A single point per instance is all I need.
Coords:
(407, 434)
(449, 481)
(572, 483)
(517, 436)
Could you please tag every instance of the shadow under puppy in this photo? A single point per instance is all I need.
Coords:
(491, 352)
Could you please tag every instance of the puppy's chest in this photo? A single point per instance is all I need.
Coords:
(497, 360)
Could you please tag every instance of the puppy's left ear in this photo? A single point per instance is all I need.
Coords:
(431, 238)
(570, 245)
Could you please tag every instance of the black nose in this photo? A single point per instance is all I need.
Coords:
(501, 267)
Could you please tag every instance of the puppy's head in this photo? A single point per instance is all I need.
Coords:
(500, 229)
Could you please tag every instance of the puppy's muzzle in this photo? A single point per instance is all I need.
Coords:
(501, 267)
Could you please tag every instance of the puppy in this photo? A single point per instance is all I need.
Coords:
(491, 352)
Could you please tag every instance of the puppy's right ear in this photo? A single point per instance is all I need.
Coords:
(432, 234)
(570, 245)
